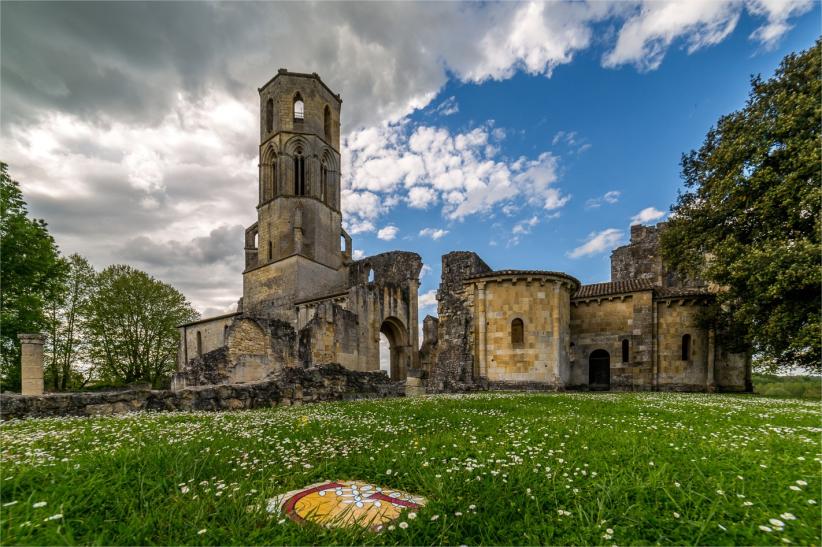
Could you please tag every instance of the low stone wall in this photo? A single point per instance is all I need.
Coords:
(293, 386)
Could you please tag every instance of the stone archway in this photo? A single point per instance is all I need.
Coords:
(399, 350)
(599, 370)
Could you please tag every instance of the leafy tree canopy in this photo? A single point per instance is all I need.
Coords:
(31, 274)
(131, 326)
(749, 219)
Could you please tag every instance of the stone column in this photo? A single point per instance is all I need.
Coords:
(710, 380)
(482, 350)
(31, 363)
(556, 377)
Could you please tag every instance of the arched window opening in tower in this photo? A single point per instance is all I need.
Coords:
(517, 332)
(269, 115)
(370, 275)
(269, 178)
(625, 351)
(323, 181)
(327, 123)
(299, 173)
(299, 107)
(686, 347)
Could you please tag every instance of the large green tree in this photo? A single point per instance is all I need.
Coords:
(131, 326)
(749, 220)
(67, 345)
(31, 275)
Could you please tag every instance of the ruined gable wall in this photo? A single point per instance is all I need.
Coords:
(331, 336)
(455, 351)
(640, 259)
(254, 350)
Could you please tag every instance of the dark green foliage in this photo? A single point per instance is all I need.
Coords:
(805, 387)
(31, 275)
(749, 220)
(131, 326)
(67, 342)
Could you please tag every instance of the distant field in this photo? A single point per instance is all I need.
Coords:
(497, 468)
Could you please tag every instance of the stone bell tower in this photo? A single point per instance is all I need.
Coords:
(297, 249)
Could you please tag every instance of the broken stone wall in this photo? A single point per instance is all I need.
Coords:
(640, 259)
(293, 386)
(428, 350)
(329, 337)
(254, 350)
(455, 355)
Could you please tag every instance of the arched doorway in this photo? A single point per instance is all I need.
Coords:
(599, 370)
(398, 354)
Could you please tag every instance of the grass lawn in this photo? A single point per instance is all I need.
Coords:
(496, 468)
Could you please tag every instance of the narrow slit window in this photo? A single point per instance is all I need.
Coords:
(269, 115)
(517, 332)
(199, 344)
(686, 347)
(625, 351)
(270, 251)
(327, 123)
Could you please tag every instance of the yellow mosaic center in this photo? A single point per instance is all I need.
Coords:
(346, 503)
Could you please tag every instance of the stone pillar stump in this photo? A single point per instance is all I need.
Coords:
(31, 363)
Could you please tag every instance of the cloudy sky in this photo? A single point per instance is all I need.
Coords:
(534, 134)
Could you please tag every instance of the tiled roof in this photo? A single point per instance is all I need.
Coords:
(522, 273)
(614, 287)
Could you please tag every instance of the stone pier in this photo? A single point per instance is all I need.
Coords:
(31, 363)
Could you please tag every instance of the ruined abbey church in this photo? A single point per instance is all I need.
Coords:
(307, 302)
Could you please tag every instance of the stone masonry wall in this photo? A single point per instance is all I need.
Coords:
(294, 386)
(455, 356)
(640, 259)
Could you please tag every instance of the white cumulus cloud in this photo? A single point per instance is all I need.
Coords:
(433, 233)
(649, 214)
(598, 242)
(388, 233)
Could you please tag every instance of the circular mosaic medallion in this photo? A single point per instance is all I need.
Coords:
(345, 503)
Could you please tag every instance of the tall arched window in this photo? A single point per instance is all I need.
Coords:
(517, 332)
(300, 186)
(199, 344)
(625, 350)
(686, 347)
(327, 123)
(269, 115)
(269, 177)
(299, 108)
(323, 180)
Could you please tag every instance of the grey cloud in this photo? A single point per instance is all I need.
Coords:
(223, 244)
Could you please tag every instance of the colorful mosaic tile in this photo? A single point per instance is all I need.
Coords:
(345, 503)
